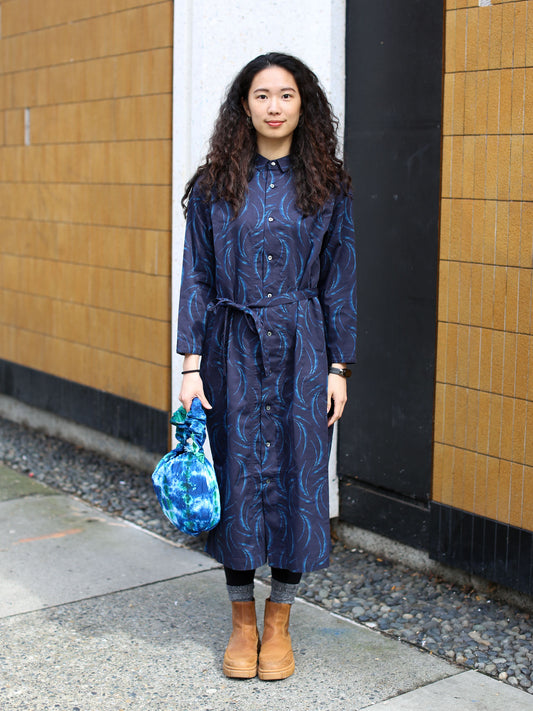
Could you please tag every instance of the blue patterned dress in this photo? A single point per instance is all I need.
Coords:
(268, 299)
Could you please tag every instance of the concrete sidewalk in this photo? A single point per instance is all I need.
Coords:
(99, 615)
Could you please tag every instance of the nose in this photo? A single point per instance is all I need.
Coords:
(273, 107)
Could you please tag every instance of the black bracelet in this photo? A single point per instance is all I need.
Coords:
(343, 372)
(184, 372)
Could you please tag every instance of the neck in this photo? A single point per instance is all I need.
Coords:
(272, 149)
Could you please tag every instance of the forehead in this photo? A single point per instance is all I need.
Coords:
(273, 78)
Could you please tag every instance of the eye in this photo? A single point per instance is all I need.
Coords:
(261, 96)
(286, 96)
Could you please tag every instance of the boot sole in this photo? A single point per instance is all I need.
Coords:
(235, 673)
(275, 674)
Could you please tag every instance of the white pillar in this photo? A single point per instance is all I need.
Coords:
(212, 41)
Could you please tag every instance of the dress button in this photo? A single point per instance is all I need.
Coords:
(269, 333)
(268, 408)
(270, 257)
(272, 185)
(267, 444)
(273, 162)
(271, 219)
(269, 295)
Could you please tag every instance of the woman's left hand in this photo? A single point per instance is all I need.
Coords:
(337, 397)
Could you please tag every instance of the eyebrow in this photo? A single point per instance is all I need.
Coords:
(287, 88)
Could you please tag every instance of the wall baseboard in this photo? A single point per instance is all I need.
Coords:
(143, 426)
(79, 435)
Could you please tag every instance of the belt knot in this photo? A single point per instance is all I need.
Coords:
(251, 311)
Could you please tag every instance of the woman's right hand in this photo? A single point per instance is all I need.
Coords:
(191, 387)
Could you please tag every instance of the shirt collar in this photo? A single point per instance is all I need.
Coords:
(282, 163)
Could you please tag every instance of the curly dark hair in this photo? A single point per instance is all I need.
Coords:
(229, 163)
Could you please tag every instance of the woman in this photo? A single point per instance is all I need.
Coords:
(268, 302)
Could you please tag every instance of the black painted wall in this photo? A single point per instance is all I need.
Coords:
(393, 138)
(116, 416)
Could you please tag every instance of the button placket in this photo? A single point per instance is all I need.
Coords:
(267, 423)
(271, 241)
(271, 208)
(269, 280)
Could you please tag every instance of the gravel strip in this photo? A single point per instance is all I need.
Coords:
(453, 622)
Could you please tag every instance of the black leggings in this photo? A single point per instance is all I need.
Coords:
(246, 577)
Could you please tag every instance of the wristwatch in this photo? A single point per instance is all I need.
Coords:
(343, 372)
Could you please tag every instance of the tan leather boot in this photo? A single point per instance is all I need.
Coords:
(240, 658)
(276, 660)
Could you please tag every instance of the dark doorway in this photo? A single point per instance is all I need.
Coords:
(393, 139)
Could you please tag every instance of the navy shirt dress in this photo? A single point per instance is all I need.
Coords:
(268, 300)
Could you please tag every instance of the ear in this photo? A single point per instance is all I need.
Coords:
(246, 107)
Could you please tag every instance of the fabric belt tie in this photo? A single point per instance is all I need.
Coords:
(251, 311)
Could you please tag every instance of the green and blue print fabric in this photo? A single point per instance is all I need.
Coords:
(184, 480)
(268, 298)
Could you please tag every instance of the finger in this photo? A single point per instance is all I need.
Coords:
(205, 402)
(187, 402)
(331, 418)
(337, 411)
(334, 417)
(200, 394)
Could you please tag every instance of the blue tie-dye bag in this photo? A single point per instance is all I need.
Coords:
(184, 480)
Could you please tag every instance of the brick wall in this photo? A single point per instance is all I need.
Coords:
(484, 391)
(85, 195)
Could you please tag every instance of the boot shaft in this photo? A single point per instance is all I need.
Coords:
(243, 614)
(276, 659)
(277, 615)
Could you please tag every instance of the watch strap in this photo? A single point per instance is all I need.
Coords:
(343, 372)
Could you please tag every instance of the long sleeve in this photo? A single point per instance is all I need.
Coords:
(337, 284)
(198, 275)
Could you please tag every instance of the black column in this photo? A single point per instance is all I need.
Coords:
(393, 138)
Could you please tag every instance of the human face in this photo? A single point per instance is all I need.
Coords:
(275, 106)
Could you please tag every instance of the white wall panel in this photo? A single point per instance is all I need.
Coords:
(213, 39)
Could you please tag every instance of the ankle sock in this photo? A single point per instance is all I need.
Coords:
(283, 592)
(241, 593)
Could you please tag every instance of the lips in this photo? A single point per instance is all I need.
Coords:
(274, 124)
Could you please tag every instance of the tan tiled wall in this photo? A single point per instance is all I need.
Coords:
(85, 207)
(484, 390)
